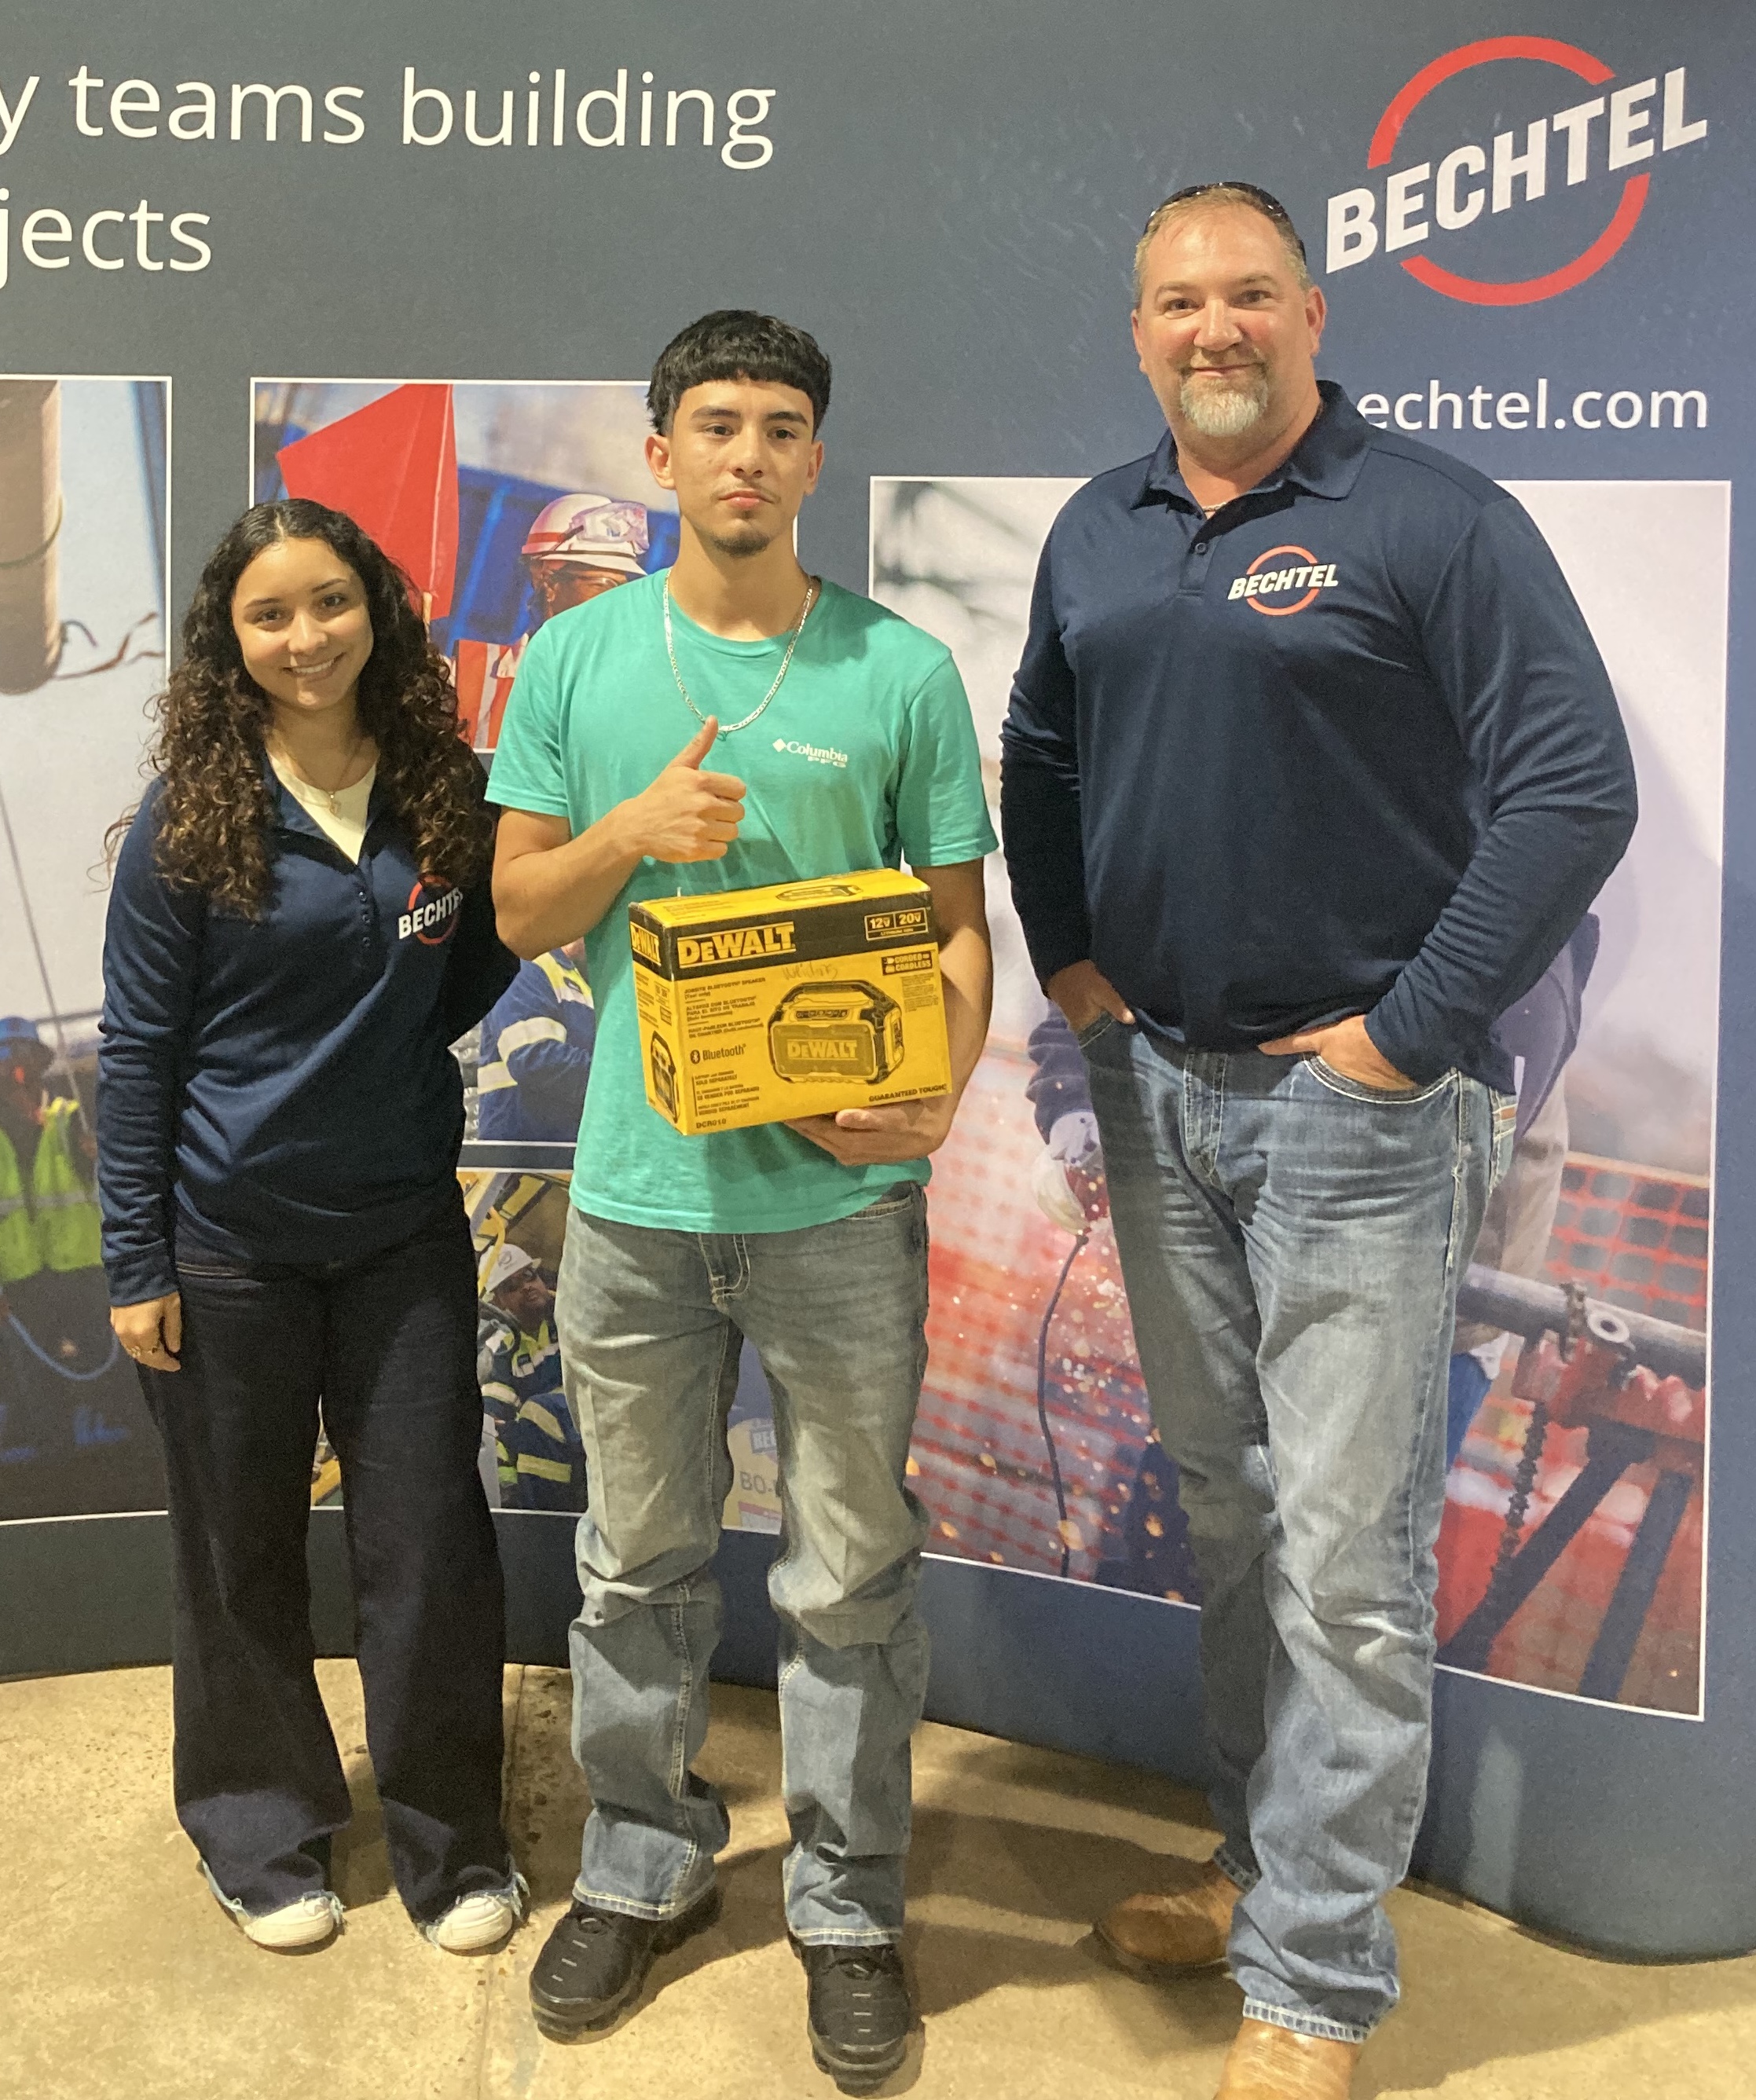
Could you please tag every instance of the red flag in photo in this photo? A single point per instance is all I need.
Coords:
(392, 467)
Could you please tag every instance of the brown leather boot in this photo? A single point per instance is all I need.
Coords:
(1176, 1934)
(1268, 2062)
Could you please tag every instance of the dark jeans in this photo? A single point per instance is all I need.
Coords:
(387, 1344)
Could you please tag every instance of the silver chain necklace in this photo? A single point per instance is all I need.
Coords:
(727, 728)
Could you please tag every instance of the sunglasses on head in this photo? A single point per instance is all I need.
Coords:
(1264, 199)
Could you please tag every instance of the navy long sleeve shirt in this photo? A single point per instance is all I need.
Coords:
(1344, 747)
(282, 1089)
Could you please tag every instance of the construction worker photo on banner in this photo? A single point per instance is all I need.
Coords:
(84, 471)
(535, 1049)
(73, 1436)
(538, 1462)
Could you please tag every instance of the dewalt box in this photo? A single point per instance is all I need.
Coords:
(762, 1005)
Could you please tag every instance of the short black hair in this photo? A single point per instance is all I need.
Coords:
(736, 343)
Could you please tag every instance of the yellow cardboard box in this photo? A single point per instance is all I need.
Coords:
(762, 1005)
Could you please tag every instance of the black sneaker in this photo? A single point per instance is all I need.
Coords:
(594, 1962)
(858, 2013)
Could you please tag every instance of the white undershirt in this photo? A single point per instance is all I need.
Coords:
(345, 824)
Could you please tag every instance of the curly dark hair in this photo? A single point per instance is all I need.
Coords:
(214, 816)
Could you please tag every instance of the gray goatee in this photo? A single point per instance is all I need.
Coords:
(1226, 408)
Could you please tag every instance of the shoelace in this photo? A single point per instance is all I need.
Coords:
(861, 1965)
(863, 1968)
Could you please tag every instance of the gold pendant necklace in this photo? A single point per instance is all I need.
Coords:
(332, 796)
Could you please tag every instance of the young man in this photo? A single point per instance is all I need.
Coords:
(1311, 768)
(847, 743)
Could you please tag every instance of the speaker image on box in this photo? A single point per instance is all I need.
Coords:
(852, 1030)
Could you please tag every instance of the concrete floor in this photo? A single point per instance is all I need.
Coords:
(122, 1977)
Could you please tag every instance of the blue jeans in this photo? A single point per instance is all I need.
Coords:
(1292, 1244)
(650, 1323)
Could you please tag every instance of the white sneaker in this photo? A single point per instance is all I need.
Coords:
(307, 1923)
(475, 1923)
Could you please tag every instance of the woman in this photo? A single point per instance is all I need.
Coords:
(300, 925)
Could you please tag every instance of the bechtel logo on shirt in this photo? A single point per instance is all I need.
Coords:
(1260, 580)
(429, 918)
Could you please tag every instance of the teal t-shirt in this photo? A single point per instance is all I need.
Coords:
(867, 756)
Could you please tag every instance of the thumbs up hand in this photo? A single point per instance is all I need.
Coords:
(699, 745)
(687, 814)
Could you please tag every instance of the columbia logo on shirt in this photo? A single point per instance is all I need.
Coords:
(818, 754)
(429, 914)
(1266, 578)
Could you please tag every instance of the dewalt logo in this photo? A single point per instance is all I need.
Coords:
(735, 944)
(645, 942)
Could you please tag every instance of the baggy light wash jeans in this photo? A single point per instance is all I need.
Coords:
(650, 1323)
(1292, 1243)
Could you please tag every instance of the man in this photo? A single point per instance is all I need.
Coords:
(48, 1214)
(1311, 767)
(853, 746)
(74, 1433)
(577, 546)
(536, 1046)
(538, 1456)
(49, 1226)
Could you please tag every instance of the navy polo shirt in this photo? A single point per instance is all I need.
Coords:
(281, 1089)
(1344, 747)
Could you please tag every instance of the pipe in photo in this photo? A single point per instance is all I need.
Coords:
(30, 527)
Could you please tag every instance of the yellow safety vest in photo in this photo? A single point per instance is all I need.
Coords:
(55, 1225)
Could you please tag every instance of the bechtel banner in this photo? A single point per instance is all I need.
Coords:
(425, 282)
